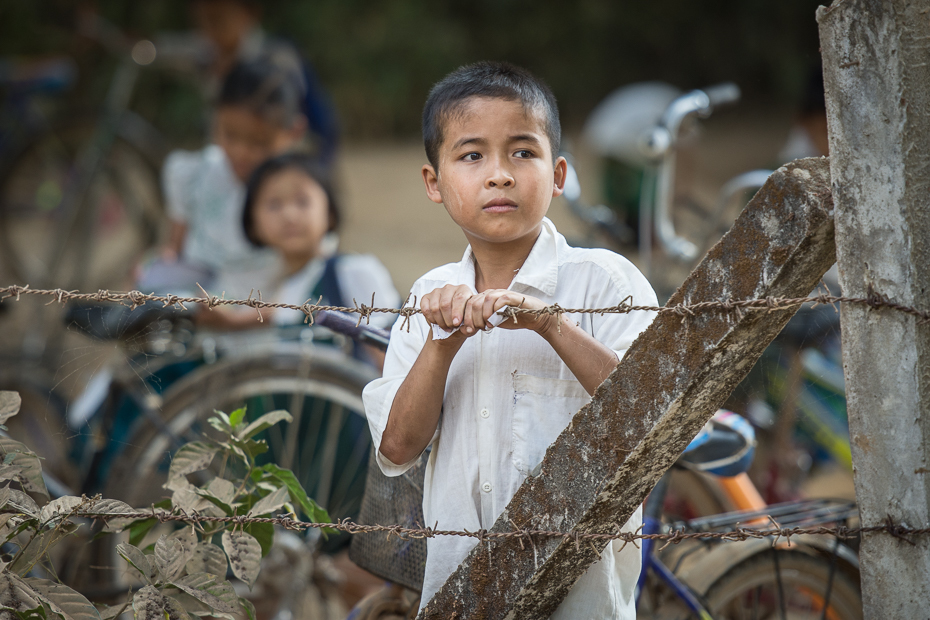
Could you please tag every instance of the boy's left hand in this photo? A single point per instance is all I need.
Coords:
(481, 307)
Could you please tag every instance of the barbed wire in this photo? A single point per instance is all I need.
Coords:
(134, 299)
(738, 534)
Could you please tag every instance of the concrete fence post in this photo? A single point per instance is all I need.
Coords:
(876, 61)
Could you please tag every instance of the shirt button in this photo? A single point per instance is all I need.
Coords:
(486, 487)
(485, 413)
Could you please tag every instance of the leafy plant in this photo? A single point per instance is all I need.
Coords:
(183, 573)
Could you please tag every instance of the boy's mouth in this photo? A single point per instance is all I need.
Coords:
(500, 205)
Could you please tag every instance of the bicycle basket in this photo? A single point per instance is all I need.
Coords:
(392, 501)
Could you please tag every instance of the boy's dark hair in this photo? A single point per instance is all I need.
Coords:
(498, 80)
(270, 85)
(289, 161)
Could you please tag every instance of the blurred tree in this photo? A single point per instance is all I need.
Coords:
(379, 58)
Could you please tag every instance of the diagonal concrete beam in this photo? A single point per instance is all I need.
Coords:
(673, 378)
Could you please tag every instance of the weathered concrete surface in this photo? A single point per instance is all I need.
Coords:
(876, 58)
(670, 382)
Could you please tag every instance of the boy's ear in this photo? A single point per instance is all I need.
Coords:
(431, 180)
(561, 172)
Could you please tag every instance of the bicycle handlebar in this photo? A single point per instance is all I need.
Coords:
(700, 102)
(722, 94)
(342, 324)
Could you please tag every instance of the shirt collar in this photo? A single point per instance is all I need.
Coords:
(540, 271)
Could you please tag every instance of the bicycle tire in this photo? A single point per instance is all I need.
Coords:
(121, 211)
(798, 589)
(328, 453)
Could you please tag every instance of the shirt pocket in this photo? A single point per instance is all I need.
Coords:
(542, 408)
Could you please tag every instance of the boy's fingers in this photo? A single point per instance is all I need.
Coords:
(452, 306)
(473, 314)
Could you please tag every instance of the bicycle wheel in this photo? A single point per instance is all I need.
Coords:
(70, 229)
(785, 584)
(326, 445)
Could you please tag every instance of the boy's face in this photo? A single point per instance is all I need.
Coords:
(248, 139)
(496, 176)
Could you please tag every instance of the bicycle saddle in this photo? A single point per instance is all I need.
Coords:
(724, 447)
(115, 321)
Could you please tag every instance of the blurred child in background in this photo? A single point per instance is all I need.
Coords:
(229, 31)
(258, 115)
(290, 209)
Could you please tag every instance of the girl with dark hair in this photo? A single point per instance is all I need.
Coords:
(290, 208)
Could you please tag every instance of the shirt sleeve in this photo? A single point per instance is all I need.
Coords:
(378, 395)
(180, 170)
(619, 282)
(360, 275)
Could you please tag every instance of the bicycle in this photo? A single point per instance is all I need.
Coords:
(120, 434)
(641, 127)
(806, 578)
(80, 195)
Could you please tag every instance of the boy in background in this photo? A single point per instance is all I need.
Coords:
(258, 115)
(490, 400)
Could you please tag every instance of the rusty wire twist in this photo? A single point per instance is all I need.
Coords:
(738, 534)
(134, 299)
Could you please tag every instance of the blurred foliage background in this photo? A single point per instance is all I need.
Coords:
(379, 58)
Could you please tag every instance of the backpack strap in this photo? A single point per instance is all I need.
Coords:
(328, 284)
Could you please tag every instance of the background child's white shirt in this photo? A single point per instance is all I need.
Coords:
(359, 276)
(202, 191)
(507, 398)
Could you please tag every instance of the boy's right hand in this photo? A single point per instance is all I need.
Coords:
(445, 307)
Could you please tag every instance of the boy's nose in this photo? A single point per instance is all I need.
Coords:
(499, 177)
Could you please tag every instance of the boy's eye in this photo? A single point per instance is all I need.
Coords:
(472, 157)
(523, 154)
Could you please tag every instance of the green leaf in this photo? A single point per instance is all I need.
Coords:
(191, 457)
(188, 603)
(251, 446)
(191, 501)
(263, 533)
(23, 503)
(221, 424)
(62, 600)
(137, 560)
(311, 509)
(271, 502)
(245, 555)
(139, 529)
(19, 456)
(111, 611)
(169, 557)
(174, 610)
(32, 614)
(220, 596)
(236, 417)
(266, 421)
(220, 489)
(59, 509)
(148, 604)
(188, 539)
(249, 608)
(15, 594)
(10, 402)
(39, 546)
(207, 558)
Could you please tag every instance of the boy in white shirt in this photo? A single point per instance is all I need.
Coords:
(490, 401)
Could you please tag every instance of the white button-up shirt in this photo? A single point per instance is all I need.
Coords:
(508, 397)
